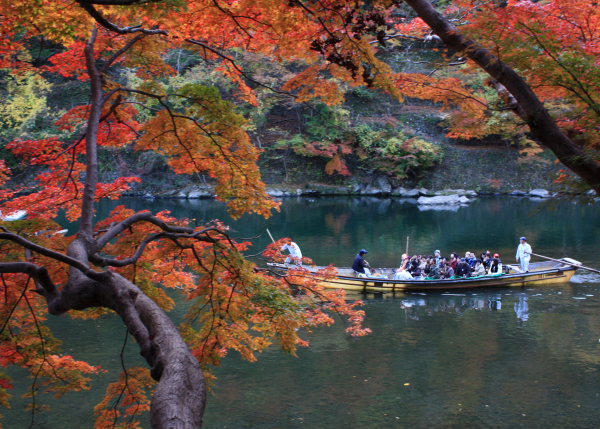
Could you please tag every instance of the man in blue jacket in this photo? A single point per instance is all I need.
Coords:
(360, 265)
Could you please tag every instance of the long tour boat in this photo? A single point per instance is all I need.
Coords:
(539, 274)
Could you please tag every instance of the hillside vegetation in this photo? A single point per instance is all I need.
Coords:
(367, 135)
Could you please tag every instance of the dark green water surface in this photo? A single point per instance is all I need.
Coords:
(494, 358)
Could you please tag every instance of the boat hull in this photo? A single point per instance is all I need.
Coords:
(369, 285)
(541, 277)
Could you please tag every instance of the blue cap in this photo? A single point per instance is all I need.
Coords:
(363, 251)
(523, 238)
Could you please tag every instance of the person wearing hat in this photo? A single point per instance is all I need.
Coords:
(524, 254)
(360, 265)
(496, 264)
(437, 255)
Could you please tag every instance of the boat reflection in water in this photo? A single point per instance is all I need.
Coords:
(458, 304)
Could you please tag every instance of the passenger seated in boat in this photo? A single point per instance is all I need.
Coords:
(486, 260)
(434, 270)
(360, 265)
(437, 255)
(429, 261)
(479, 269)
(447, 271)
(405, 261)
(495, 265)
(417, 267)
(402, 273)
(471, 259)
(463, 269)
(454, 259)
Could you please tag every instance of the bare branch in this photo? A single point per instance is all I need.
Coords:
(118, 228)
(236, 67)
(198, 236)
(51, 254)
(124, 49)
(100, 19)
(39, 274)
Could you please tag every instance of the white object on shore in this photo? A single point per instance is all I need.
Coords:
(443, 199)
(540, 193)
(18, 215)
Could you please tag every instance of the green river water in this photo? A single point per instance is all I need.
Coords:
(493, 358)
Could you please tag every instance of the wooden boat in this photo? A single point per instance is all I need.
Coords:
(541, 273)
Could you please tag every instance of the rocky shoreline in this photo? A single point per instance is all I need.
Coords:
(380, 188)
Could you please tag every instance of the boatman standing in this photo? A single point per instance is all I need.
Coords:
(295, 253)
(360, 266)
(524, 254)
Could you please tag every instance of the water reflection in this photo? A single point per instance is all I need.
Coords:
(455, 303)
(332, 230)
(491, 358)
(488, 358)
(522, 309)
(459, 304)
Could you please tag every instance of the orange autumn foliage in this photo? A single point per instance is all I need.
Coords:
(553, 44)
(235, 306)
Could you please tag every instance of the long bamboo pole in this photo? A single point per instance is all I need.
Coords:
(568, 263)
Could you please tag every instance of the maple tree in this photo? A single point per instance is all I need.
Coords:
(542, 57)
(124, 263)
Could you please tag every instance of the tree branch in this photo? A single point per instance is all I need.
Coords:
(118, 228)
(236, 67)
(39, 274)
(73, 262)
(100, 19)
(537, 117)
(121, 51)
(99, 260)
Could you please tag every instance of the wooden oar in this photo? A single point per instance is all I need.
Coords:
(567, 263)
(269, 232)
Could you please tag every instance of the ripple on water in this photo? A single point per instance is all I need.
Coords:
(586, 278)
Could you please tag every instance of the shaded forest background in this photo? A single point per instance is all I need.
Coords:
(368, 137)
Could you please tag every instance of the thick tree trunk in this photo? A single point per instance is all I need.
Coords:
(180, 396)
(530, 108)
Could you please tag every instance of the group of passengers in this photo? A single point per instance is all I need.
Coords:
(438, 267)
(435, 267)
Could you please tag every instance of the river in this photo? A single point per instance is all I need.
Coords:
(488, 358)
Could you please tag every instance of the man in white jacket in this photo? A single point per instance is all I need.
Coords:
(295, 253)
(524, 254)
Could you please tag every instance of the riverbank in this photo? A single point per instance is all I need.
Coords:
(379, 187)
